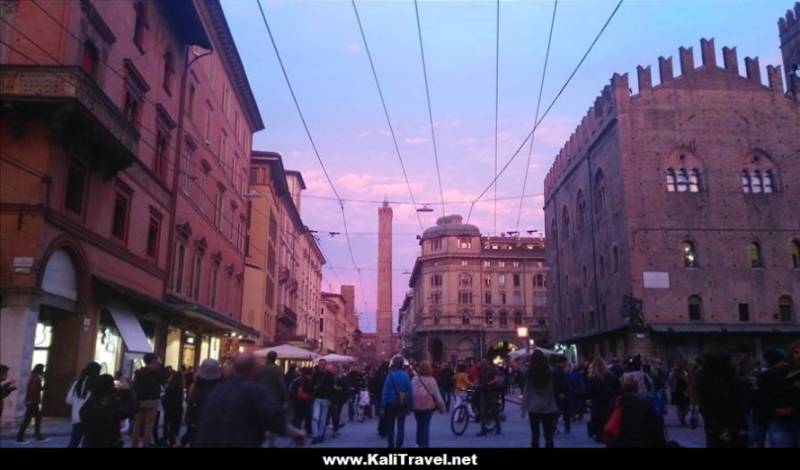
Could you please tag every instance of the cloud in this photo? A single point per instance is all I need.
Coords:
(466, 141)
(354, 47)
(375, 185)
(415, 140)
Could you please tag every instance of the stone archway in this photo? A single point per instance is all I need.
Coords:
(466, 349)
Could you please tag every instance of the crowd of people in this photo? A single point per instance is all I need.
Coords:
(241, 403)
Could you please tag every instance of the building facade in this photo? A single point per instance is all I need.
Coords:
(99, 101)
(672, 214)
(471, 294)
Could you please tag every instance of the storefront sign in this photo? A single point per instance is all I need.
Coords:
(23, 265)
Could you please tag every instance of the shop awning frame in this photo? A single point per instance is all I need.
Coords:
(129, 328)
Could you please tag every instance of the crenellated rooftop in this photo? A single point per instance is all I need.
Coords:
(617, 96)
(789, 24)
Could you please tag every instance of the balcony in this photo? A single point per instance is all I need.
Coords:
(77, 111)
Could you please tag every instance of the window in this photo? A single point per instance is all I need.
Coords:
(169, 72)
(538, 280)
(436, 244)
(436, 280)
(501, 280)
(76, 188)
(487, 298)
(503, 298)
(203, 185)
(694, 181)
(501, 264)
(795, 247)
(602, 263)
(207, 130)
(153, 235)
(599, 192)
(464, 263)
(489, 318)
(161, 155)
(503, 318)
(744, 312)
(119, 224)
(190, 104)
(615, 253)
(581, 209)
(218, 210)
(180, 254)
(196, 276)
(518, 319)
(756, 260)
(487, 264)
(565, 223)
(465, 242)
(785, 309)
(759, 175)
(213, 289)
(436, 318)
(689, 255)
(91, 59)
(140, 25)
(672, 184)
(517, 281)
(465, 318)
(321, 325)
(436, 298)
(487, 280)
(465, 298)
(132, 108)
(465, 280)
(271, 260)
(695, 308)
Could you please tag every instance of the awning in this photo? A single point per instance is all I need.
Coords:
(725, 328)
(129, 327)
(287, 351)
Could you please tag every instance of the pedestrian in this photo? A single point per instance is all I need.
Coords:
(539, 399)
(340, 395)
(641, 426)
(322, 384)
(172, 404)
(207, 377)
(567, 392)
(679, 390)
(783, 400)
(76, 397)
(33, 402)
(105, 410)
(488, 388)
(240, 411)
(446, 385)
(634, 371)
(6, 388)
(147, 383)
(376, 392)
(396, 402)
(355, 382)
(722, 403)
(577, 386)
(300, 393)
(427, 399)
(271, 377)
(602, 388)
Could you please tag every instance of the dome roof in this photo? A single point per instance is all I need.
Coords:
(451, 226)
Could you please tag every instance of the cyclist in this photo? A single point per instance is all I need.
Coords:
(488, 387)
(461, 384)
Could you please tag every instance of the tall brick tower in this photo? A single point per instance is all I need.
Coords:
(384, 313)
(789, 28)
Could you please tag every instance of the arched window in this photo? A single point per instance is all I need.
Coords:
(671, 181)
(615, 253)
(795, 247)
(518, 319)
(695, 308)
(759, 175)
(565, 223)
(465, 280)
(503, 318)
(754, 251)
(689, 255)
(599, 192)
(785, 308)
(581, 209)
(489, 318)
(465, 318)
(554, 227)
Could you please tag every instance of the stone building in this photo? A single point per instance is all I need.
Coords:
(471, 294)
(672, 213)
(337, 328)
(121, 193)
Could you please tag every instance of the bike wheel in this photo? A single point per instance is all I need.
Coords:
(459, 420)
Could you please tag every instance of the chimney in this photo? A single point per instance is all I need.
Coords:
(775, 78)
(687, 60)
(645, 78)
(753, 70)
(731, 61)
(665, 69)
(709, 52)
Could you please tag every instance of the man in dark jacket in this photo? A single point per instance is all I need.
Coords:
(488, 385)
(322, 385)
(33, 401)
(240, 411)
(641, 426)
(104, 411)
(147, 383)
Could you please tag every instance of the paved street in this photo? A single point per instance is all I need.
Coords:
(516, 433)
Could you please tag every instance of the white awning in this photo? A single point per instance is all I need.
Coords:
(129, 327)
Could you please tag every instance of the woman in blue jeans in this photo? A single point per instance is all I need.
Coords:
(396, 402)
(427, 399)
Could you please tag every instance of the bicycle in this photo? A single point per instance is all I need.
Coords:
(467, 411)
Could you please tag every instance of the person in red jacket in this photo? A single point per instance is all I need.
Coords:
(33, 402)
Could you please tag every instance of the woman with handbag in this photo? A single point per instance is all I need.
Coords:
(427, 399)
(633, 422)
(396, 402)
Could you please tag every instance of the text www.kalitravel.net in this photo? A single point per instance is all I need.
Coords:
(381, 460)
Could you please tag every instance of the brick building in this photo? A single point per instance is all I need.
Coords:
(672, 214)
(337, 328)
(471, 293)
(99, 99)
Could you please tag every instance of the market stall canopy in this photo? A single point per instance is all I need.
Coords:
(287, 351)
(336, 358)
(524, 352)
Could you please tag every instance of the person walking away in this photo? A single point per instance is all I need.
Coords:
(762, 411)
(396, 402)
(427, 399)
(602, 388)
(76, 397)
(239, 412)
(641, 426)
(105, 410)
(376, 390)
(172, 404)
(271, 377)
(488, 385)
(539, 399)
(6, 388)
(461, 384)
(33, 402)
(446, 385)
(634, 371)
(567, 392)
(679, 390)
(341, 393)
(783, 401)
(577, 384)
(208, 375)
(355, 382)
(147, 383)
(722, 403)
(300, 393)
(322, 384)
